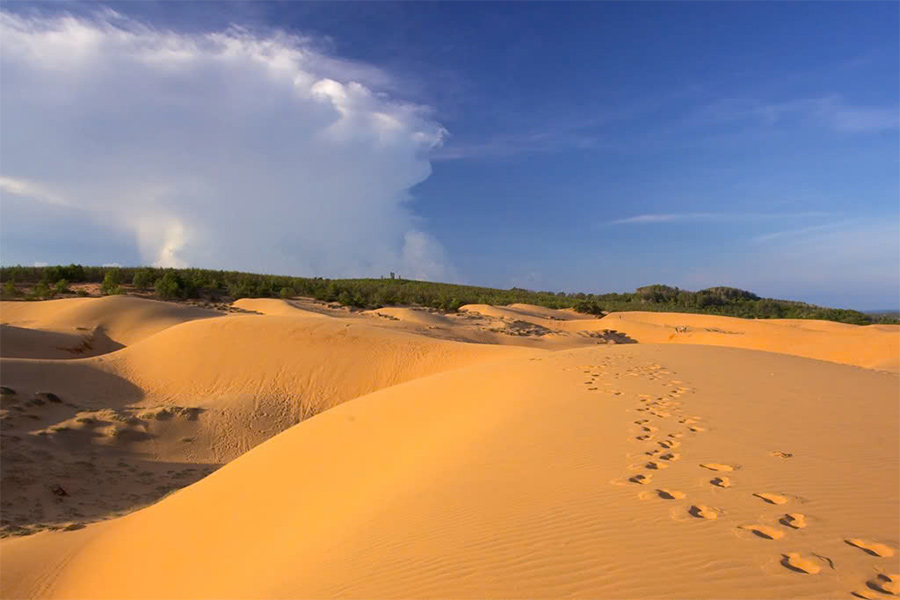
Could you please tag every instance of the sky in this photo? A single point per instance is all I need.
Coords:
(585, 146)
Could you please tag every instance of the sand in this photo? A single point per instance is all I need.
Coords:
(348, 454)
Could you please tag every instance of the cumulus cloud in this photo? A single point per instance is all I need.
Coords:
(229, 149)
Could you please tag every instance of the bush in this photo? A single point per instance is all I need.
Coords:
(9, 289)
(62, 286)
(286, 292)
(40, 291)
(81, 292)
(111, 285)
(143, 279)
(168, 287)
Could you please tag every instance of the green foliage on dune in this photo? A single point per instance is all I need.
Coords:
(172, 284)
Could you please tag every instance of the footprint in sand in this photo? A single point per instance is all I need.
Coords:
(722, 482)
(649, 428)
(794, 520)
(644, 437)
(702, 511)
(779, 454)
(718, 467)
(671, 456)
(669, 494)
(641, 421)
(640, 478)
(655, 466)
(668, 445)
(772, 498)
(763, 531)
(800, 563)
(870, 547)
(675, 435)
(696, 429)
(886, 583)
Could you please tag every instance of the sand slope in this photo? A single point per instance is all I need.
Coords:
(623, 471)
(79, 327)
(872, 347)
(128, 427)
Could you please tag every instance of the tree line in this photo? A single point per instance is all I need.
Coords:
(218, 286)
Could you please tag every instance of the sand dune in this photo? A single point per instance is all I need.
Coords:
(163, 412)
(403, 461)
(273, 306)
(412, 315)
(79, 327)
(517, 479)
(871, 347)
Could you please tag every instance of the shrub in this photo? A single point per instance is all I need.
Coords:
(112, 280)
(62, 286)
(168, 287)
(9, 289)
(81, 292)
(286, 292)
(143, 279)
(40, 291)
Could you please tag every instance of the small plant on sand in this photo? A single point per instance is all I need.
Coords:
(111, 285)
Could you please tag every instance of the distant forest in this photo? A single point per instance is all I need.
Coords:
(35, 283)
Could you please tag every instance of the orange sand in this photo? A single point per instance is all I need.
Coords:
(672, 467)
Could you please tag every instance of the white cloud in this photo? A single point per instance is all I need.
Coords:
(228, 149)
(30, 190)
(710, 217)
(830, 111)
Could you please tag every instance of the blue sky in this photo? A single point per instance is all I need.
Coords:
(564, 146)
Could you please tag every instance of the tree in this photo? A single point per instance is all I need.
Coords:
(9, 289)
(286, 292)
(112, 280)
(143, 279)
(168, 287)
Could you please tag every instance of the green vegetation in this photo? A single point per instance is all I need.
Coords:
(172, 284)
(112, 280)
(143, 279)
(62, 286)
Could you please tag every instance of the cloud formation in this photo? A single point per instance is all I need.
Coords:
(230, 149)
(710, 217)
(830, 111)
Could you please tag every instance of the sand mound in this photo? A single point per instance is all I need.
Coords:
(864, 346)
(325, 361)
(122, 319)
(416, 316)
(19, 342)
(518, 479)
(132, 425)
(273, 306)
(548, 313)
